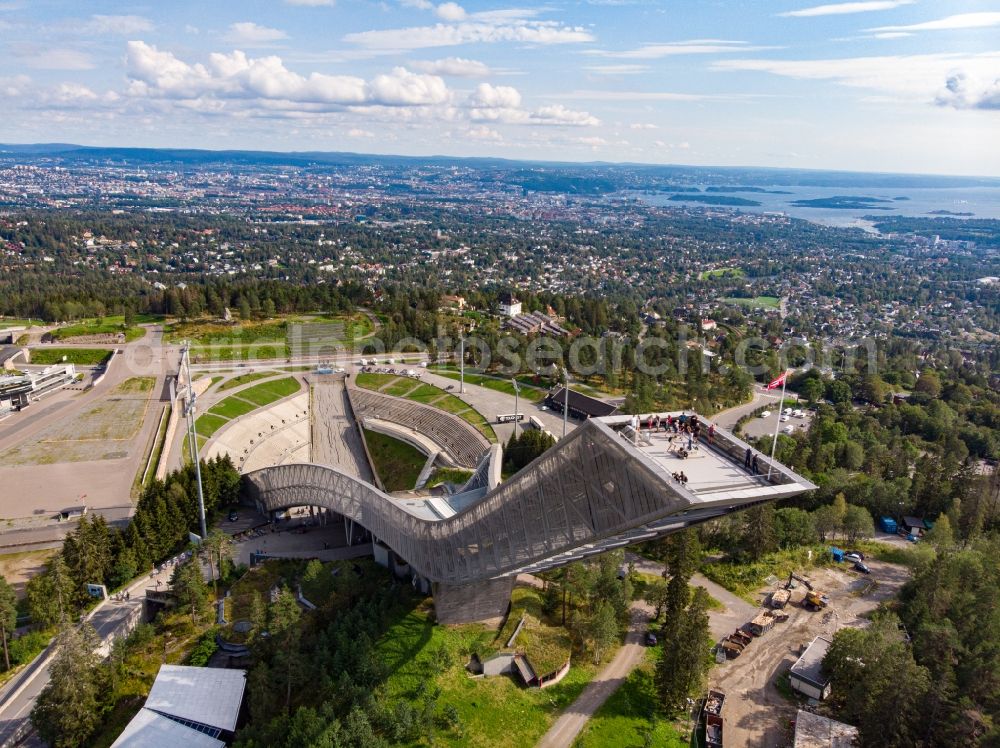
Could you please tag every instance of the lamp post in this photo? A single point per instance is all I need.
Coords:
(517, 391)
(461, 362)
(565, 400)
(192, 435)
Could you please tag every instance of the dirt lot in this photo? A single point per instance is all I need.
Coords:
(756, 714)
(18, 568)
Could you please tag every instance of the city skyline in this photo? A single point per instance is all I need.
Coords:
(876, 85)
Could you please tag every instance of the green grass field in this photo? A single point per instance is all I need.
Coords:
(6, 322)
(721, 273)
(104, 326)
(245, 402)
(207, 424)
(266, 393)
(528, 392)
(371, 381)
(78, 356)
(244, 379)
(397, 463)
(264, 351)
(757, 302)
(232, 407)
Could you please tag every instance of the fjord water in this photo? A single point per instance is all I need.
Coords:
(981, 202)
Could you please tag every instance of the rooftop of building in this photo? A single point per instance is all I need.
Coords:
(816, 731)
(809, 666)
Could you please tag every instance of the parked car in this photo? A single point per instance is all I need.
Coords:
(785, 418)
(860, 566)
(854, 556)
(765, 414)
(650, 639)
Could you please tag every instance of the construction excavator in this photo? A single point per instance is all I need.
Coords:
(814, 600)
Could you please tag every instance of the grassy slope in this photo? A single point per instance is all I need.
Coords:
(495, 712)
(78, 356)
(629, 717)
(397, 463)
(428, 394)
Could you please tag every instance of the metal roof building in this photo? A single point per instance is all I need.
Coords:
(187, 706)
(807, 676)
(601, 487)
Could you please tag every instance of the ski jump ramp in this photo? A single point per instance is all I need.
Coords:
(601, 487)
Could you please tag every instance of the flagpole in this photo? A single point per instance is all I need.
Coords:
(777, 422)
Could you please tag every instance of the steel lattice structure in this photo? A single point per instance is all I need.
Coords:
(593, 491)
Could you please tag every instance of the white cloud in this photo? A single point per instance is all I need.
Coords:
(250, 34)
(963, 91)
(311, 3)
(601, 95)
(489, 103)
(490, 96)
(61, 58)
(557, 114)
(482, 132)
(357, 132)
(643, 126)
(403, 88)
(961, 21)
(958, 80)
(481, 28)
(670, 49)
(836, 9)
(892, 35)
(14, 85)
(593, 141)
(616, 69)
(450, 12)
(453, 66)
(158, 74)
(127, 25)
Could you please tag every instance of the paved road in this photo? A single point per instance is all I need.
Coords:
(736, 612)
(17, 698)
(570, 724)
(727, 419)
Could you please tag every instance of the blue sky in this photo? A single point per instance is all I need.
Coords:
(875, 85)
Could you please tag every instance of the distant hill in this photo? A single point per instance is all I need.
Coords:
(583, 178)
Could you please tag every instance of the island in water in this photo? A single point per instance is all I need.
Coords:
(949, 213)
(843, 202)
(721, 200)
(743, 188)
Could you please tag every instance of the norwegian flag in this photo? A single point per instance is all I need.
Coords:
(776, 383)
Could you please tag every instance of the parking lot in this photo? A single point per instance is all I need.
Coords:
(758, 427)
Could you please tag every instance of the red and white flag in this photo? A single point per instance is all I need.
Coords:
(776, 383)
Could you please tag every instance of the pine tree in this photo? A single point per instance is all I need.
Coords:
(50, 594)
(8, 617)
(188, 585)
(681, 671)
(67, 710)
